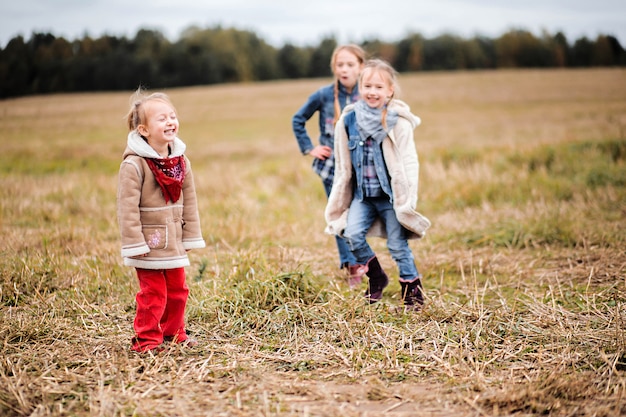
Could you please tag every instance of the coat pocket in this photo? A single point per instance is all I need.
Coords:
(156, 236)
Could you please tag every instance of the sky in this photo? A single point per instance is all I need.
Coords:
(306, 22)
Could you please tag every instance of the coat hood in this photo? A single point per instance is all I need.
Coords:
(404, 111)
(137, 145)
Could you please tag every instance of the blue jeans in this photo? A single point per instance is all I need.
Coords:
(360, 218)
(345, 255)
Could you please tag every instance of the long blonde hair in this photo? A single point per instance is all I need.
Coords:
(389, 74)
(359, 53)
(136, 115)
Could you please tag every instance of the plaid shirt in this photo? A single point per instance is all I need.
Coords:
(325, 169)
(371, 184)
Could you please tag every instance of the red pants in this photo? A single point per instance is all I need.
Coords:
(161, 303)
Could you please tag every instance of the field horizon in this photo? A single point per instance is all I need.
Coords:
(522, 173)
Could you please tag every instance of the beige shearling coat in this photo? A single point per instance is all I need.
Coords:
(155, 234)
(403, 167)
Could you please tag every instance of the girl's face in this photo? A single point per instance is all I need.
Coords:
(161, 125)
(347, 68)
(375, 88)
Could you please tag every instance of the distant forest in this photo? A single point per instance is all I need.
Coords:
(47, 64)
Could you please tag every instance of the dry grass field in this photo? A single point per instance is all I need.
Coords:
(523, 175)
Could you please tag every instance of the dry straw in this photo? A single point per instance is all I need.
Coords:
(522, 174)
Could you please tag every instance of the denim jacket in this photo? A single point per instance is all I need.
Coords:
(355, 147)
(322, 101)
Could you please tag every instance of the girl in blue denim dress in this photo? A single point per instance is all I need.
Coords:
(376, 180)
(346, 63)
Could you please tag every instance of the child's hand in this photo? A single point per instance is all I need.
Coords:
(321, 152)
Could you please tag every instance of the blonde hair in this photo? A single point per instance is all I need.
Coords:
(388, 73)
(359, 53)
(137, 115)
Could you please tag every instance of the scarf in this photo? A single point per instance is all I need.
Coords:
(170, 174)
(369, 121)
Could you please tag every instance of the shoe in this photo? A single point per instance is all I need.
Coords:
(413, 294)
(355, 275)
(378, 280)
(189, 342)
(137, 347)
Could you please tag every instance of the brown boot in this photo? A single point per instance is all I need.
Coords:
(413, 294)
(378, 280)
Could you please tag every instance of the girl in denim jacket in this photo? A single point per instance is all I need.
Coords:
(346, 63)
(376, 178)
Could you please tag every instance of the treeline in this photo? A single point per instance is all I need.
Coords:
(49, 64)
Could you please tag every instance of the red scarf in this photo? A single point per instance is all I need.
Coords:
(170, 174)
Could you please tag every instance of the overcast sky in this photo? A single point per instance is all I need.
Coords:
(305, 22)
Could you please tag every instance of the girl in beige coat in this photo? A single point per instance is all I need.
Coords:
(376, 177)
(159, 221)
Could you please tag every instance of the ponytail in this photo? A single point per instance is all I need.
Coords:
(336, 102)
(136, 115)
